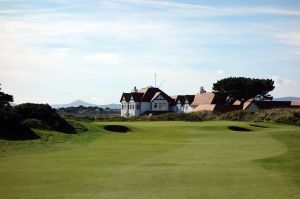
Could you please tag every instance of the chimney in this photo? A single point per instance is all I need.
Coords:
(135, 90)
(202, 90)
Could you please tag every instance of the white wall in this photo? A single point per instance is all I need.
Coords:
(124, 108)
(187, 108)
(133, 108)
(179, 108)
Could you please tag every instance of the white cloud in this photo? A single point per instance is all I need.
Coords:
(280, 81)
(297, 53)
(102, 58)
(289, 38)
(285, 87)
(201, 10)
(14, 74)
(220, 72)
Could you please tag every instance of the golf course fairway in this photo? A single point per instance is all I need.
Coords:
(156, 160)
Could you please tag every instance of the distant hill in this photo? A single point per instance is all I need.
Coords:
(85, 104)
(73, 104)
(287, 99)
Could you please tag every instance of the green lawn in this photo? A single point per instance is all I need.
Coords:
(156, 160)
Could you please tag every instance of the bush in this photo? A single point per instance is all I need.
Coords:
(236, 115)
(285, 116)
(46, 114)
(36, 124)
(11, 127)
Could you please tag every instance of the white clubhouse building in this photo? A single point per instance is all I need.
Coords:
(151, 100)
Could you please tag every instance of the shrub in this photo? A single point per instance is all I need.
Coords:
(36, 124)
(46, 114)
(285, 116)
(11, 127)
(194, 117)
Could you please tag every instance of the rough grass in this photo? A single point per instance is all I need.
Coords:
(283, 116)
(157, 160)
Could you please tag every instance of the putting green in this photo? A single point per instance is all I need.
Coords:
(157, 160)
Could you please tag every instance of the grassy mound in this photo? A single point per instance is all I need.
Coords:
(11, 127)
(79, 127)
(42, 115)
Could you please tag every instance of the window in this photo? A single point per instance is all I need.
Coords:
(138, 107)
(155, 105)
(160, 97)
(160, 105)
(131, 106)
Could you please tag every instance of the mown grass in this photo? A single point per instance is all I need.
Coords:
(289, 162)
(157, 160)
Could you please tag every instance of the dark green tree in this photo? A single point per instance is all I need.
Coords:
(5, 99)
(243, 89)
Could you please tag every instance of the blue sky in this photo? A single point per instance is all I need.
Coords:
(61, 50)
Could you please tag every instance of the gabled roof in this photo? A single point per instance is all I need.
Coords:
(295, 103)
(190, 98)
(208, 98)
(146, 95)
(268, 104)
(180, 99)
(149, 93)
(137, 96)
(246, 104)
(127, 97)
(155, 96)
(183, 98)
(216, 107)
(143, 90)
